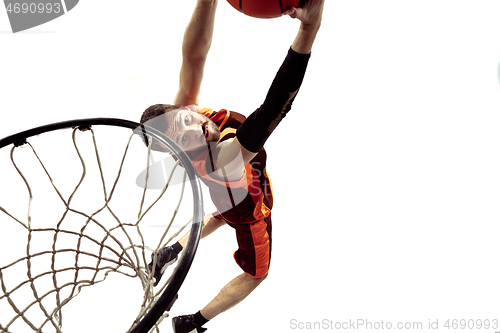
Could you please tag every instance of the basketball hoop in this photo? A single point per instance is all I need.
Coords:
(71, 214)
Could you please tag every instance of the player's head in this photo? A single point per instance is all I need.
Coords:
(188, 128)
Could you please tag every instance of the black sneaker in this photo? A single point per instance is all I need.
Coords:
(186, 324)
(165, 258)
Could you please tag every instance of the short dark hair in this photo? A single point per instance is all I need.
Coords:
(151, 117)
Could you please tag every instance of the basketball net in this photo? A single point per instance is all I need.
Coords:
(71, 214)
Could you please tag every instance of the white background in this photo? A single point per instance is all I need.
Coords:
(386, 173)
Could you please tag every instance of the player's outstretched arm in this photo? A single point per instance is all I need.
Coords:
(253, 133)
(195, 46)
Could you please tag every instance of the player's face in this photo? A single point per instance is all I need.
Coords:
(191, 130)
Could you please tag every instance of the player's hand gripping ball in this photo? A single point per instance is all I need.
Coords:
(264, 8)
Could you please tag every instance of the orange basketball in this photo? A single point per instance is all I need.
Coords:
(264, 8)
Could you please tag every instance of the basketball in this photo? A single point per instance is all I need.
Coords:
(263, 8)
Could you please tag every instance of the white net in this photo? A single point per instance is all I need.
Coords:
(78, 205)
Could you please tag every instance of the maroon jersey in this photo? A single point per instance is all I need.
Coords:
(250, 198)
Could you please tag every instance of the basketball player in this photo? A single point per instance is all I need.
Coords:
(227, 151)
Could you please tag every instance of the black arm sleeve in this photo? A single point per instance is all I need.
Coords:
(257, 128)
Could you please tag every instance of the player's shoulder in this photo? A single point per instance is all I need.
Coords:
(235, 119)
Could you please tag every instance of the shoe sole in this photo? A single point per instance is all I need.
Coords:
(164, 268)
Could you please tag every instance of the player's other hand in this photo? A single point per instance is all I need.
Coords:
(310, 14)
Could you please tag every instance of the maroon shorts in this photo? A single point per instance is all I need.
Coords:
(254, 242)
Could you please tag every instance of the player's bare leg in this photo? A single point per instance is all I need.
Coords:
(231, 294)
(210, 224)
